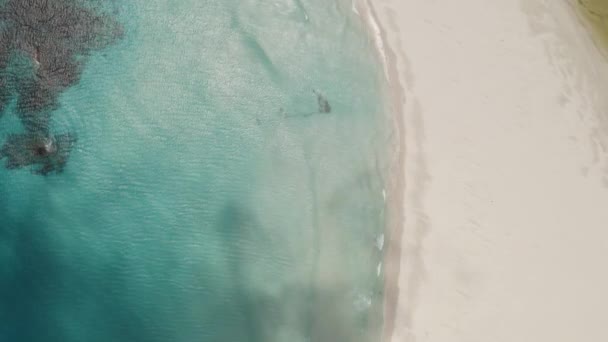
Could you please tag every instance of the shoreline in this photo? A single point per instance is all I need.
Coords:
(397, 93)
(513, 117)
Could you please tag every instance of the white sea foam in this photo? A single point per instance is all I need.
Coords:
(380, 242)
(378, 40)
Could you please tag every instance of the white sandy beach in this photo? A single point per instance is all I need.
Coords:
(505, 169)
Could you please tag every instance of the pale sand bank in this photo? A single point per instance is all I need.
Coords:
(505, 124)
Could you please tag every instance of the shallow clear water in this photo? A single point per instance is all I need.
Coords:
(205, 200)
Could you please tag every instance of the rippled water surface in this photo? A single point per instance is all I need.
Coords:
(211, 194)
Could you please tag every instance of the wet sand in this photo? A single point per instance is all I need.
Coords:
(503, 121)
(595, 17)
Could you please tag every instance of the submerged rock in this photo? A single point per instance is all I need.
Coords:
(324, 106)
(44, 154)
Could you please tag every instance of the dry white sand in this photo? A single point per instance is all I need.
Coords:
(504, 110)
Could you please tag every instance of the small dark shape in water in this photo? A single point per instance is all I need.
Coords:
(324, 106)
(45, 154)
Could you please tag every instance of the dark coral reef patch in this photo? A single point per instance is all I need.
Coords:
(44, 45)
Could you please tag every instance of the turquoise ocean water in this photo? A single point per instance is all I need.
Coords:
(205, 200)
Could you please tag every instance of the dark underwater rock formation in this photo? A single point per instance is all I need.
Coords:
(55, 37)
(45, 154)
(322, 102)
